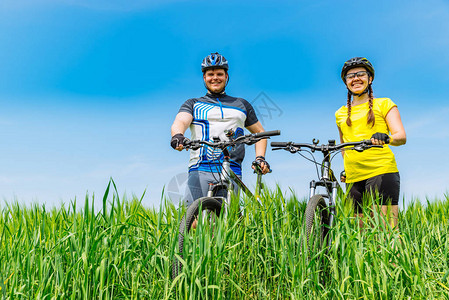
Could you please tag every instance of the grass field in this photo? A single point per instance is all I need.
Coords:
(125, 251)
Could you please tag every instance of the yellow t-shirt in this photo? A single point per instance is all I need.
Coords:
(372, 162)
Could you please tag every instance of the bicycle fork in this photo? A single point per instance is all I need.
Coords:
(332, 197)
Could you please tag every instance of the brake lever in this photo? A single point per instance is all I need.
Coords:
(195, 147)
(252, 141)
(362, 148)
(292, 149)
(374, 146)
(359, 148)
(288, 148)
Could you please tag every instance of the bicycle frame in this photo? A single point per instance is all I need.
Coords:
(210, 204)
(227, 177)
(327, 178)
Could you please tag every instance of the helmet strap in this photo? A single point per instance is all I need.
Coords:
(359, 94)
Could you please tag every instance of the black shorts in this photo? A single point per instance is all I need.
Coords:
(387, 185)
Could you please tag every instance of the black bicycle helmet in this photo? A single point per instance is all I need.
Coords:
(214, 60)
(354, 63)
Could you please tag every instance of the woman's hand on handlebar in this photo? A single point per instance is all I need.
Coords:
(380, 138)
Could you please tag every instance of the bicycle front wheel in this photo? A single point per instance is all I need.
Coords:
(317, 223)
(209, 208)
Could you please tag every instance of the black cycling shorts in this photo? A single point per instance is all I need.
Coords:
(387, 185)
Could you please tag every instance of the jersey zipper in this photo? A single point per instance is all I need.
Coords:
(221, 108)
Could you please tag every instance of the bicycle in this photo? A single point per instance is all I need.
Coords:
(210, 207)
(319, 214)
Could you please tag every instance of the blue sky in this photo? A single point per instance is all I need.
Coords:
(89, 89)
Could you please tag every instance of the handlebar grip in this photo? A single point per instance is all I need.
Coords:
(279, 144)
(267, 133)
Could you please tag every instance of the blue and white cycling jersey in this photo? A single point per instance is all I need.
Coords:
(212, 115)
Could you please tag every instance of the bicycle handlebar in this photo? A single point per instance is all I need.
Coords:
(248, 139)
(358, 146)
(266, 133)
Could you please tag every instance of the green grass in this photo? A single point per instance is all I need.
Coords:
(125, 251)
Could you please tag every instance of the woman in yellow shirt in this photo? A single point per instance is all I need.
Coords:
(365, 117)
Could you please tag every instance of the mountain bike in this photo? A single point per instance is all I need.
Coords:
(319, 214)
(205, 210)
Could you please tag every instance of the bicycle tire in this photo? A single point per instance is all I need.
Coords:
(205, 203)
(317, 221)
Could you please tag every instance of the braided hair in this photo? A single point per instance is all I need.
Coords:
(370, 115)
(348, 120)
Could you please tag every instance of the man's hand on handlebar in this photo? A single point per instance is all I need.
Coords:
(262, 164)
(178, 141)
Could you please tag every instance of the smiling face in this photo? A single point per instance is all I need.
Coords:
(215, 80)
(358, 84)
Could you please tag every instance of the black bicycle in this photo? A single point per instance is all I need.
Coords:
(206, 209)
(319, 214)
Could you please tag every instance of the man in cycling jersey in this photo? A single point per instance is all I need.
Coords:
(209, 116)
